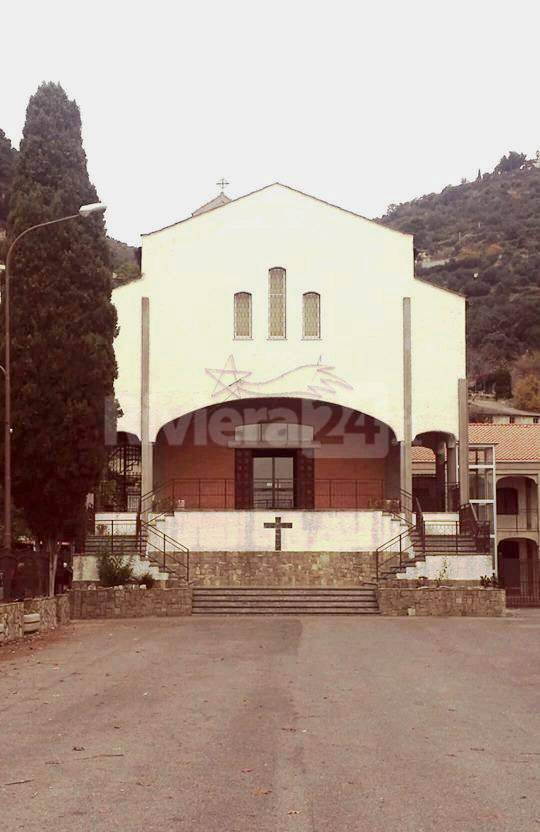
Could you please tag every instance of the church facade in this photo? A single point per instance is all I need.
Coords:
(277, 361)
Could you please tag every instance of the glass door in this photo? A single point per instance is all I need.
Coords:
(273, 481)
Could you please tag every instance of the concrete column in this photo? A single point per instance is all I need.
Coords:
(440, 472)
(405, 450)
(463, 401)
(451, 468)
(146, 446)
(536, 519)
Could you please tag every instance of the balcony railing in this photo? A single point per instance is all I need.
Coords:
(193, 494)
(523, 522)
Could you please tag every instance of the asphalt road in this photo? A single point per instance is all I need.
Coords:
(239, 724)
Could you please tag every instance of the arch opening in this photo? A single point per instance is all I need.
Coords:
(435, 472)
(276, 454)
(519, 571)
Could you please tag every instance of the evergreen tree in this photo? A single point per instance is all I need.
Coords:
(7, 164)
(63, 325)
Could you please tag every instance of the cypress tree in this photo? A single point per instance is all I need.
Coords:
(63, 325)
(7, 165)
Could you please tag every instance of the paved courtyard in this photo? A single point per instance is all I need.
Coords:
(232, 724)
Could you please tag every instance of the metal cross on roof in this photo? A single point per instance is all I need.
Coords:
(222, 183)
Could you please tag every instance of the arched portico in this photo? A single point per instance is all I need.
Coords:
(517, 504)
(438, 490)
(519, 570)
(276, 453)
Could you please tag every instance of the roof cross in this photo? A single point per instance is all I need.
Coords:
(222, 183)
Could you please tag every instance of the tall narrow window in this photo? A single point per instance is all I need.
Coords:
(312, 315)
(277, 303)
(242, 315)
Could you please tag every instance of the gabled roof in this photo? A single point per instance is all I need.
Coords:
(208, 208)
(496, 408)
(217, 202)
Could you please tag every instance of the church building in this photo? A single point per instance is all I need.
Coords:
(277, 362)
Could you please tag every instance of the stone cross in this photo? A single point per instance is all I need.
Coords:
(278, 526)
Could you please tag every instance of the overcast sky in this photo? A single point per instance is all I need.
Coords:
(362, 103)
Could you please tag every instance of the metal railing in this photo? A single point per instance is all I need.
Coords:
(218, 494)
(117, 537)
(478, 529)
(525, 521)
(165, 550)
(181, 494)
(450, 536)
(273, 493)
(139, 537)
(524, 594)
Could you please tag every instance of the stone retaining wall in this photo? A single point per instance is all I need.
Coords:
(130, 603)
(53, 611)
(442, 601)
(283, 569)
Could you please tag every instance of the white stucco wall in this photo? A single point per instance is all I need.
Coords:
(85, 568)
(312, 531)
(362, 271)
(458, 568)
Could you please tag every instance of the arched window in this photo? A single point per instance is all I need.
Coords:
(312, 315)
(242, 315)
(277, 303)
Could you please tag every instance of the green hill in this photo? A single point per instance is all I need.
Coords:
(482, 238)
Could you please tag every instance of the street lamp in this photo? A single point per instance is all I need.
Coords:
(84, 211)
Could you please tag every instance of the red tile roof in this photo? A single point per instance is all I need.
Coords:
(514, 443)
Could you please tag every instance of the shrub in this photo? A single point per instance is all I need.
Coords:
(114, 570)
(147, 579)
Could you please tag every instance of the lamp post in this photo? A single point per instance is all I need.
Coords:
(84, 211)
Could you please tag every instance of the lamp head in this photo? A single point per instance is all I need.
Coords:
(94, 208)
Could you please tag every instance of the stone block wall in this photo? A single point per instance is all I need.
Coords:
(281, 569)
(53, 611)
(130, 603)
(442, 601)
(11, 616)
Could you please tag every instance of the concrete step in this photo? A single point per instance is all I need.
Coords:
(260, 610)
(285, 600)
(271, 590)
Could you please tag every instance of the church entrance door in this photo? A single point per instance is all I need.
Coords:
(273, 479)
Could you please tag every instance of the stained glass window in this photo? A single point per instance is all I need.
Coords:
(276, 304)
(242, 315)
(312, 315)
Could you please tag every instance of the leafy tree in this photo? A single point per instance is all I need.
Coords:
(528, 364)
(63, 325)
(511, 162)
(527, 392)
(502, 381)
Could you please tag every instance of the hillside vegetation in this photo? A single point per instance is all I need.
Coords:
(482, 238)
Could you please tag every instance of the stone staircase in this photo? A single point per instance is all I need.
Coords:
(145, 557)
(212, 600)
(435, 544)
(120, 544)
